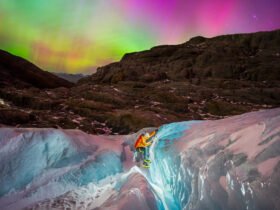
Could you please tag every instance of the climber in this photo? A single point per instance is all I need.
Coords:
(142, 146)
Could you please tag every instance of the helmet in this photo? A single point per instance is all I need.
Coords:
(147, 135)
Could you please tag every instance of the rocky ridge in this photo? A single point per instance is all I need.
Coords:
(200, 79)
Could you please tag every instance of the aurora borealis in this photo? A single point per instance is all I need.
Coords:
(76, 36)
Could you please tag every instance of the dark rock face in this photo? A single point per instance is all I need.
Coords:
(15, 71)
(200, 79)
(250, 57)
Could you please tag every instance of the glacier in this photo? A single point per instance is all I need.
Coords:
(233, 163)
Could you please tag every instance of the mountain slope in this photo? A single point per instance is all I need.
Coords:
(200, 79)
(15, 71)
(70, 77)
(225, 164)
(253, 57)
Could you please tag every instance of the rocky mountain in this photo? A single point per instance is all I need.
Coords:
(249, 57)
(227, 164)
(70, 77)
(17, 72)
(200, 79)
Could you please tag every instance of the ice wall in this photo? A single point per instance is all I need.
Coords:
(218, 164)
(165, 175)
(215, 165)
(36, 160)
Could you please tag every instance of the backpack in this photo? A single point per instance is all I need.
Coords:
(137, 141)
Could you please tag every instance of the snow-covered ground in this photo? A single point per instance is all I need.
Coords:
(225, 164)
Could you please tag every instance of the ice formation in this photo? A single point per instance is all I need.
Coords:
(225, 164)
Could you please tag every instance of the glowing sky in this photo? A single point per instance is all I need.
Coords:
(76, 36)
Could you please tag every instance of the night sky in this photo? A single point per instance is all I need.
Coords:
(76, 36)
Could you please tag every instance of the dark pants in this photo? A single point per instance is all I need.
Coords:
(145, 152)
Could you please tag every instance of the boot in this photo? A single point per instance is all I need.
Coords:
(147, 160)
(146, 164)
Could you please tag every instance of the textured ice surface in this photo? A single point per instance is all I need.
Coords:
(225, 164)
(38, 163)
(163, 172)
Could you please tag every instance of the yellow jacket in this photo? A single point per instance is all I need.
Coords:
(142, 141)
